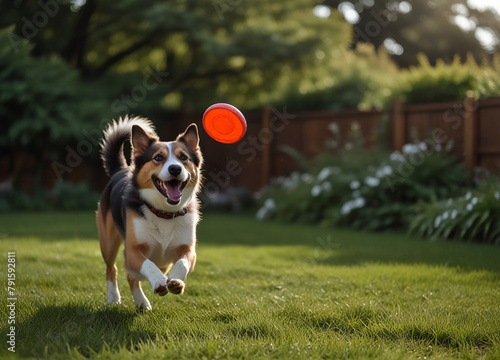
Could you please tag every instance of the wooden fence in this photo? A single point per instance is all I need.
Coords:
(473, 126)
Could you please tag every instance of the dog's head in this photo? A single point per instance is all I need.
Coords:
(167, 174)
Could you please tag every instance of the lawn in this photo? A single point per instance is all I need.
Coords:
(259, 290)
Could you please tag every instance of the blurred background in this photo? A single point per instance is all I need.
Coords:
(335, 92)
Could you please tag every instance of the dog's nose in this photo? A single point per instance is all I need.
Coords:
(174, 170)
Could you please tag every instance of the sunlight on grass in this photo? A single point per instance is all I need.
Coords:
(259, 290)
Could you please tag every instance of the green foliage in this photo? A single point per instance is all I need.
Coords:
(73, 197)
(374, 191)
(473, 217)
(231, 200)
(64, 196)
(430, 27)
(42, 100)
(239, 52)
(448, 82)
(361, 79)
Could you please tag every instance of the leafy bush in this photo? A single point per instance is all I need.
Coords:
(448, 82)
(64, 196)
(361, 79)
(69, 196)
(232, 199)
(369, 191)
(473, 217)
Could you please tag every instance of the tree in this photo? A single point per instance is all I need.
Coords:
(212, 50)
(407, 28)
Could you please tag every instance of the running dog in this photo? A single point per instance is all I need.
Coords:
(151, 205)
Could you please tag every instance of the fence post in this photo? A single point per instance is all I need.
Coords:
(470, 133)
(266, 151)
(398, 124)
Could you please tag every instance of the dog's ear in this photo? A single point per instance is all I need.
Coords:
(190, 137)
(140, 140)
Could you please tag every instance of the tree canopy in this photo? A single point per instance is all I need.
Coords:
(230, 48)
(439, 29)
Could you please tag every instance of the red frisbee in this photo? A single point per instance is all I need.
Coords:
(224, 123)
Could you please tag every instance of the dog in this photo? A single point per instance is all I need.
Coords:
(151, 206)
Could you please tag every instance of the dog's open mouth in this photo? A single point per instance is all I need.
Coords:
(172, 189)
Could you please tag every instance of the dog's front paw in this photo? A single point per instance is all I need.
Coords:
(176, 286)
(160, 285)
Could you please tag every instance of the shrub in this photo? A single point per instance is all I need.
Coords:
(69, 196)
(473, 217)
(232, 199)
(64, 196)
(448, 82)
(370, 191)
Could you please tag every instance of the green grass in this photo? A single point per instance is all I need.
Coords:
(259, 290)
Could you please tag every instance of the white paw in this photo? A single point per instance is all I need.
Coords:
(140, 300)
(176, 286)
(159, 284)
(113, 294)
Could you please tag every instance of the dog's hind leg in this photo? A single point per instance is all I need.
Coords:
(140, 300)
(110, 244)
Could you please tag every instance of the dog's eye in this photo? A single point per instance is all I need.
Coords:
(158, 158)
(183, 157)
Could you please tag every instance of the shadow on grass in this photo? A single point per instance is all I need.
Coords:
(53, 330)
(331, 246)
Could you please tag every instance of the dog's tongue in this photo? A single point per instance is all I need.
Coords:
(174, 190)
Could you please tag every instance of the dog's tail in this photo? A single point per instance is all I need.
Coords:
(115, 136)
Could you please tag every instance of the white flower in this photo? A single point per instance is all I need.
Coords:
(316, 190)
(372, 181)
(469, 207)
(262, 213)
(307, 178)
(396, 156)
(474, 201)
(422, 146)
(268, 208)
(270, 204)
(497, 195)
(352, 204)
(354, 185)
(437, 222)
(346, 208)
(384, 171)
(324, 173)
(438, 147)
(326, 186)
(468, 195)
(410, 149)
(445, 215)
(359, 202)
(454, 214)
(333, 127)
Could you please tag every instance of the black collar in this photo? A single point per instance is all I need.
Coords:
(165, 214)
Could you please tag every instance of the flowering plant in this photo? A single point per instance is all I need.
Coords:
(370, 191)
(473, 217)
